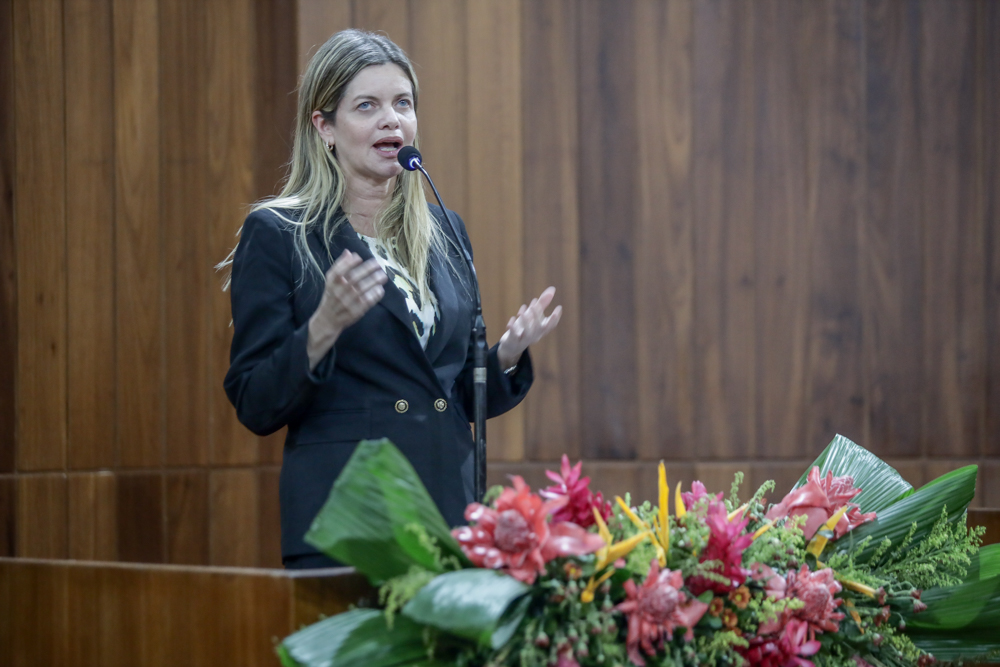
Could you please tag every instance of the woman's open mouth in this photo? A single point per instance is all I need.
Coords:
(389, 147)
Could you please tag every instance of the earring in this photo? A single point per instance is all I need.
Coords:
(329, 147)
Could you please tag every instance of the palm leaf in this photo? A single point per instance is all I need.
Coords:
(369, 519)
(922, 507)
(985, 564)
(478, 604)
(880, 483)
(959, 646)
(359, 637)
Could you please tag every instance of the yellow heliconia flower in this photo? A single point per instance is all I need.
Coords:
(736, 512)
(679, 502)
(664, 515)
(608, 554)
(858, 587)
(639, 523)
(818, 542)
(855, 615)
(763, 529)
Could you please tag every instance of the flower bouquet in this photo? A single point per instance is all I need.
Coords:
(853, 567)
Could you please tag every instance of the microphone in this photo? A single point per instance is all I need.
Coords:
(409, 158)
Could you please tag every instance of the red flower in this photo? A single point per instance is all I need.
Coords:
(655, 609)
(726, 543)
(788, 650)
(819, 499)
(580, 499)
(516, 536)
(697, 493)
(817, 590)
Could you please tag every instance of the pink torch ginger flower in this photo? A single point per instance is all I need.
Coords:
(817, 590)
(789, 650)
(726, 543)
(516, 536)
(655, 609)
(818, 500)
(579, 497)
(774, 584)
(698, 492)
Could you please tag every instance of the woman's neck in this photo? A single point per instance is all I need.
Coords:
(363, 201)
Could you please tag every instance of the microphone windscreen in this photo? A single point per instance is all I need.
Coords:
(409, 157)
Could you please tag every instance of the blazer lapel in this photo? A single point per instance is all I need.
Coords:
(443, 284)
(393, 300)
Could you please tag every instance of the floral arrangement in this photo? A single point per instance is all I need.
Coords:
(853, 567)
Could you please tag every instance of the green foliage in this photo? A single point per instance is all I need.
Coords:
(397, 591)
(782, 546)
(720, 647)
(940, 559)
(764, 489)
(734, 492)
(880, 483)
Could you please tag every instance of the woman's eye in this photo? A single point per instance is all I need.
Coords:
(364, 106)
(404, 103)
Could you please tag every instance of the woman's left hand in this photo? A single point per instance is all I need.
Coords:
(529, 326)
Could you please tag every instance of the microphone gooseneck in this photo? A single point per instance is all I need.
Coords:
(409, 158)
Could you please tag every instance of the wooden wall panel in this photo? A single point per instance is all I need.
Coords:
(139, 510)
(93, 516)
(90, 233)
(187, 518)
(42, 525)
(835, 393)
(892, 239)
(8, 517)
(189, 279)
(783, 229)
(609, 141)
(494, 220)
(230, 116)
(138, 234)
(8, 246)
(40, 211)
(664, 235)
(954, 335)
(725, 260)
(391, 17)
(234, 523)
(552, 220)
(988, 23)
(316, 22)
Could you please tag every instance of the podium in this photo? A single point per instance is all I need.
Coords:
(85, 613)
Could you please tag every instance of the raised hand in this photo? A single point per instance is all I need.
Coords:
(529, 326)
(352, 288)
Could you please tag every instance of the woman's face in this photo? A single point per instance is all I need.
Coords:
(374, 120)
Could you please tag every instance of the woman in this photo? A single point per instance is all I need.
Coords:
(324, 341)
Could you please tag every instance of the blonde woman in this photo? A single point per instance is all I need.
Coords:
(352, 305)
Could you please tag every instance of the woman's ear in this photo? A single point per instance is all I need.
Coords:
(323, 127)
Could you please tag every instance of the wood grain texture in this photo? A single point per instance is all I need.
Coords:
(988, 22)
(140, 517)
(953, 268)
(783, 230)
(317, 20)
(234, 525)
(608, 143)
(41, 517)
(725, 260)
(40, 184)
(138, 234)
(187, 518)
(90, 233)
(391, 17)
(268, 518)
(8, 247)
(494, 219)
(8, 517)
(33, 615)
(229, 175)
(552, 221)
(834, 116)
(189, 280)
(892, 239)
(438, 51)
(664, 234)
(93, 516)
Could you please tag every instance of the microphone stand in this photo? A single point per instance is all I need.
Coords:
(478, 337)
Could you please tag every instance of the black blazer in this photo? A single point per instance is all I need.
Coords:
(376, 381)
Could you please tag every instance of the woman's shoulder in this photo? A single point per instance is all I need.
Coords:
(272, 217)
(438, 214)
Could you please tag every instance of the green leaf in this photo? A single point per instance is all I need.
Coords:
(359, 637)
(368, 519)
(985, 564)
(922, 507)
(958, 646)
(880, 483)
(969, 606)
(473, 604)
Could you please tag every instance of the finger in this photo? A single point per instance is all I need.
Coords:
(359, 273)
(344, 264)
(545, 298)
(510, 323)
(367, 282)
(552, 320)
(372, 295)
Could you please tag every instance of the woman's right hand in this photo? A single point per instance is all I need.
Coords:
(351, 289)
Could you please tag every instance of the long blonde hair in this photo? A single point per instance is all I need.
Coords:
(314, 188)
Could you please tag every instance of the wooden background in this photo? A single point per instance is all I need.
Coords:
(768, 223)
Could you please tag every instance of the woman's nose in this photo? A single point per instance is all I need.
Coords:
(389, 119)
